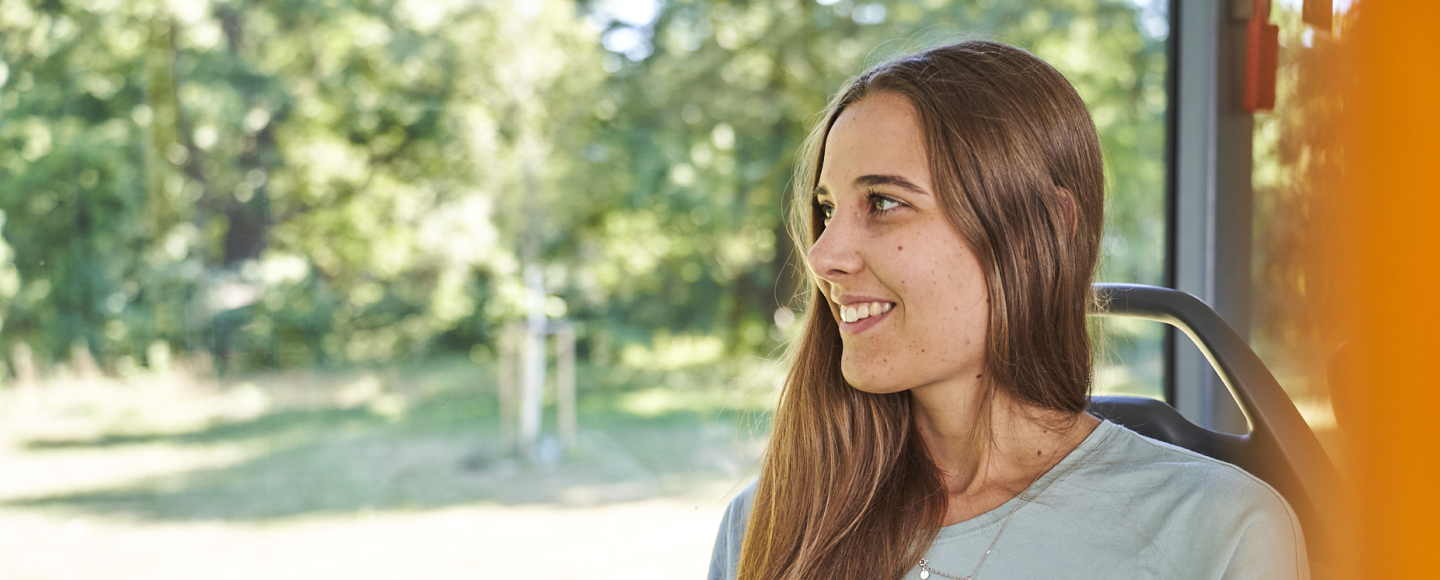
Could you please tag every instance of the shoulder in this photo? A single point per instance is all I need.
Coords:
(1126, 453)
(1237, 517)
(742, 501)
(737, 515)
(725, 558)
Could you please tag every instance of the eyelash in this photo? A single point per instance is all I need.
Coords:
(874, 199)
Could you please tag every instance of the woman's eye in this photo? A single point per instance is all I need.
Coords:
(881, 204)
(826, 210)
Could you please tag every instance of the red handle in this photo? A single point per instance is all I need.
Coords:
(1262, 57)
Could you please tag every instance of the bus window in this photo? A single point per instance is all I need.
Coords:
(389, 289)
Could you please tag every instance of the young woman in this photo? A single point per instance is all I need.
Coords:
(933, 424)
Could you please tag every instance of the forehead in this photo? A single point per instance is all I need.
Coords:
(880, 135)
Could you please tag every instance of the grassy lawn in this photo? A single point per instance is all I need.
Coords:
(390, 473)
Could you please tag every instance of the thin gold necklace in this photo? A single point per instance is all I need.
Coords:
(926, 570)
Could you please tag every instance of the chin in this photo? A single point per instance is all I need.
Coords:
(874, 380)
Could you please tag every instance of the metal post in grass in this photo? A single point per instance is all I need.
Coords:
(565, 382)
(510, 339)
(532, 362)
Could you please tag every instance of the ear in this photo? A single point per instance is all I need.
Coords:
(1067, 209)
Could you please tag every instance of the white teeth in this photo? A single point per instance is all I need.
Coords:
(861, 311)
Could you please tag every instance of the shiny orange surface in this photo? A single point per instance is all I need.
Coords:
(1391, 251)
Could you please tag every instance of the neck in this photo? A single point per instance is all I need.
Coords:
(990, 451)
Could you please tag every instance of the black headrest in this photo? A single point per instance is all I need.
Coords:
(1280, 448)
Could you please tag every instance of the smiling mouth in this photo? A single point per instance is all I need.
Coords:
(863, 310)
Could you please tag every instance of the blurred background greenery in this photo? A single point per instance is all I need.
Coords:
(255, 255)
(275, 185)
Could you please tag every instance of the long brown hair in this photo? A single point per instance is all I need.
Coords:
(848, 489)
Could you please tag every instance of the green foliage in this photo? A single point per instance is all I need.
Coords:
(282, 183)
(279, 183)
(706, 126)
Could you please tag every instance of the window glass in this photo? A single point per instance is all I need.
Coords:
(1296, 177)
(267, 268)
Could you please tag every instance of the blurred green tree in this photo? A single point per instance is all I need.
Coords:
(277, 182)
(283, 183)
(707, 104)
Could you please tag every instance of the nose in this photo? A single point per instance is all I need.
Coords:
(836, 254)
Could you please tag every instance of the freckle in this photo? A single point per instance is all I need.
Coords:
(900, 248)
(1037, 453)
(977, 376)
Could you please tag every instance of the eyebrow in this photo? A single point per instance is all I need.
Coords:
(877, 180)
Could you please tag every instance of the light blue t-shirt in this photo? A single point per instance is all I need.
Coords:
(1120, 506)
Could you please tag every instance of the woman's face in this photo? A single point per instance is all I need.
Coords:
(907, 290)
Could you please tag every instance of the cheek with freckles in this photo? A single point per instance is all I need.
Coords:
(937, 331)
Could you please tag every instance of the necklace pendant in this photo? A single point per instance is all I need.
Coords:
(924, 574)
